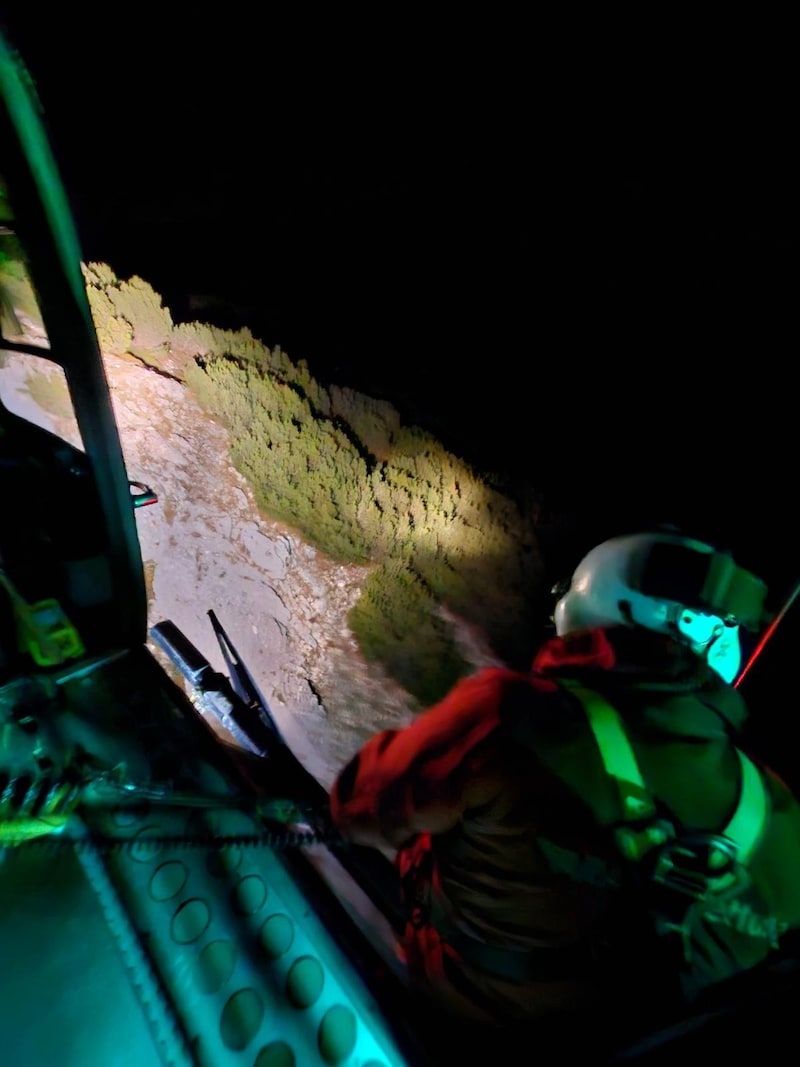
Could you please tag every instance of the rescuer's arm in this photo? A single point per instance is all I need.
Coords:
(423, 777)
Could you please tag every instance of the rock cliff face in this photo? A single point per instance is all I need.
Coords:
(206, 546)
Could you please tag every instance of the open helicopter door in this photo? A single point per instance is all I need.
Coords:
(155, 909)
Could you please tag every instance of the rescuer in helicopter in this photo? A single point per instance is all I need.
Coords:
(592, 837)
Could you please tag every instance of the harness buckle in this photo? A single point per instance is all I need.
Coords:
(696, 865)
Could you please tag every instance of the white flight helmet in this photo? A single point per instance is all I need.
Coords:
(669, 584)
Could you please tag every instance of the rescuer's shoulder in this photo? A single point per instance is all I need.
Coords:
(501, 689)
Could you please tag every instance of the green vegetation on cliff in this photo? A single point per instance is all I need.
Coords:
(343, 471)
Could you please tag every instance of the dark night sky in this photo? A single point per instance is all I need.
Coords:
(580, 275)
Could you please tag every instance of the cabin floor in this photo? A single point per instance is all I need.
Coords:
(151, 930)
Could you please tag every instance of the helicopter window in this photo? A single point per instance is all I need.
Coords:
(31, 385)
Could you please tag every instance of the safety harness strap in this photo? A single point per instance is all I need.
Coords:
(640, 832)
(616, 751)
(745, 827)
